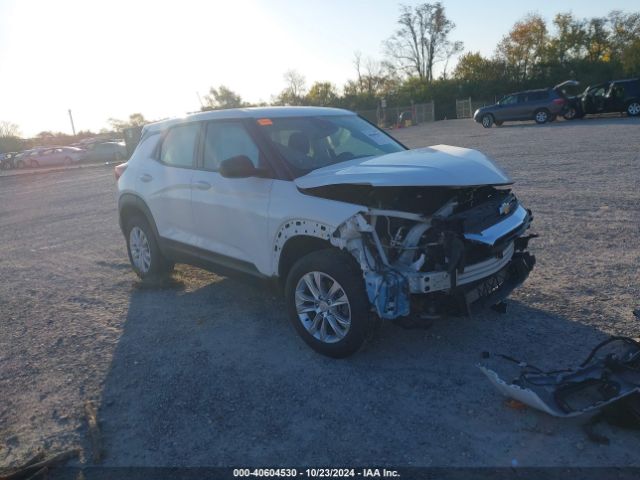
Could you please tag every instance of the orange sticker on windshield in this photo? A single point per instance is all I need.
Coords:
(265, 122)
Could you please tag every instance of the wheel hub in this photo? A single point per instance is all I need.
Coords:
(323, 307)
(140, 249)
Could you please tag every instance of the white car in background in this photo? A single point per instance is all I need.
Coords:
(51, 156)
(348, 221)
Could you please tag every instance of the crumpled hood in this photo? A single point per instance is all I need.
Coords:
(439, 165)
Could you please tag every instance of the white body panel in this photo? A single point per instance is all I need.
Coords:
(440, 165)
(288, 204)
(167, 192)
(230, 216)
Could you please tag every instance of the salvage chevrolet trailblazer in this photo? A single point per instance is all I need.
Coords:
(345, 219)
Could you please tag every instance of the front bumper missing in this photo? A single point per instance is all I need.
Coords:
(427, 282)
(498, 287)
(483, 293)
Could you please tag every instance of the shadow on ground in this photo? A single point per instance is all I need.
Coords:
(235, 386)
(580, 122)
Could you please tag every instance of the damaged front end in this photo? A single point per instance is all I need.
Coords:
(434, 250)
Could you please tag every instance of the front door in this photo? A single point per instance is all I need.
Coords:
(230, 214)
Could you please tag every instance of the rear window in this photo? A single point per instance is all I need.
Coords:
(146, 147)
(535, 96)
(179, 146)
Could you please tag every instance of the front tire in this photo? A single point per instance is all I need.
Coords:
(34, 164)
(327, 303)
(633, 109)
(541, 116)
(487, 120)
(68, 161)
(144, 253)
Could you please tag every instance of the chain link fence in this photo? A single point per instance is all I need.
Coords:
(400, 116)
(467, 106)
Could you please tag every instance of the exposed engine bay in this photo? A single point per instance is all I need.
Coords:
(444, 248)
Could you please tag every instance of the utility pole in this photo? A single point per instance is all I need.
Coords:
(73, 128)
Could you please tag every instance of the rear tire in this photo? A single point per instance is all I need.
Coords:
(20, 164)
(327, 303)
(487, 120)
(633, 109)
(541, 116)
(145, 256)
(571, 114)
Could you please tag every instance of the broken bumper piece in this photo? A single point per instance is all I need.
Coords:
(605, 378)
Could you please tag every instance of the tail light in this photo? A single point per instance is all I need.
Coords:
(559, 101)
(119, 170)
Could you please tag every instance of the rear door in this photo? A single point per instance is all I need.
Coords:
(164, 181)
(615, 98)
(230, 214)
(525, 106)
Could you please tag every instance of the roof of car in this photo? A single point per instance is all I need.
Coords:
(535, 90)
(252, 112)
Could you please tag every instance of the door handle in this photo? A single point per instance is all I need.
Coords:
(202, 185)
(145, 177)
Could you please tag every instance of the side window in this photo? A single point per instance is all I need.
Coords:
(617, 91)
(510, 100)
(179, 146)
(226, 140)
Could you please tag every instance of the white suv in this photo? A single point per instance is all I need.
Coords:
(348, 221)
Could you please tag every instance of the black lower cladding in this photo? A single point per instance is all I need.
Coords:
(484, 293)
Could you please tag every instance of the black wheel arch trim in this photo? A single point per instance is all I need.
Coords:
(134, 201)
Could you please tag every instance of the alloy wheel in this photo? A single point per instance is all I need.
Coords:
(541, 117)
(140, 249)
(634, 109)
(323, 307)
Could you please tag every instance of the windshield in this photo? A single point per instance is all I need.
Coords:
(308, 143)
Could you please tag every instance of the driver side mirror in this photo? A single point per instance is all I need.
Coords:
(239, 167)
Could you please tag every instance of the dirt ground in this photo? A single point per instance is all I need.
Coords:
(208, 372)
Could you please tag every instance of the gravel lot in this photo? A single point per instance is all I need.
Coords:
(207, 370)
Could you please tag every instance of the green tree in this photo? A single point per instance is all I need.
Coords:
(8, 129)
(135, 120)
(422, 40)
(625, 40)
(473, 67)
(569, 41)
(10, 140)
(294, 91)
(523, 47)
(597, 40)
(222, 98)
(322, 94)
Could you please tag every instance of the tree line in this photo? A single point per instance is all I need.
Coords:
(532, 54)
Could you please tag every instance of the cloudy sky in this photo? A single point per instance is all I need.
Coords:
(111, 58)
